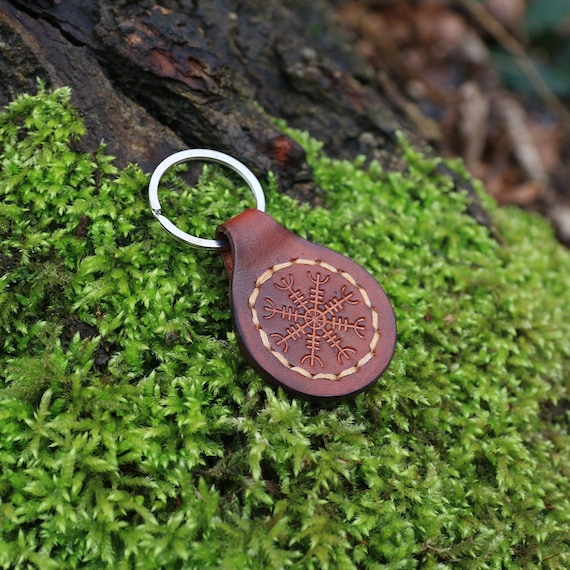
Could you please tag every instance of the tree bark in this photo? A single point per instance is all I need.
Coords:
(151, 78)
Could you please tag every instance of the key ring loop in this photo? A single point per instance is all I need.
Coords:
(206, 155)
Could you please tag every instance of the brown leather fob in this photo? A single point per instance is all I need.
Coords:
(307, 318)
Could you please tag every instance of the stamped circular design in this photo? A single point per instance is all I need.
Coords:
(315, 319)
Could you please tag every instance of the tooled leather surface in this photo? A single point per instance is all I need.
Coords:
(307, 318)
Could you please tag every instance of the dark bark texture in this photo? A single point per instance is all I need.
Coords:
(151, 78)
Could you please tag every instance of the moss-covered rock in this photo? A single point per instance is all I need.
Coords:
(135, 436)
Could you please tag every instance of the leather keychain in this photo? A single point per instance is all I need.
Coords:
(307, 318)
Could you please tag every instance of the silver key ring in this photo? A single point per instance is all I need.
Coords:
(206, 155)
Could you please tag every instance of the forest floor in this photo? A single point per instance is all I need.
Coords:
(486, 81)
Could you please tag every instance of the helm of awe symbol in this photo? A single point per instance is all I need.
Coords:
(315, 319)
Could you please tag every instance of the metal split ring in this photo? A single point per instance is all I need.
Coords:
(205, 155)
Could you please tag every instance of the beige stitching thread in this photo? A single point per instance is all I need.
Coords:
(264, 277)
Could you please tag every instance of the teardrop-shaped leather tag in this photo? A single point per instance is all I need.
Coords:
(307, 318)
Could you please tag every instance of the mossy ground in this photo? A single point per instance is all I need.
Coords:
(135, 436)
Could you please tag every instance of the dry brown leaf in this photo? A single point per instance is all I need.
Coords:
(549, 140)
(524, 194)
(509, 12)
(524, 146)
(474, 111)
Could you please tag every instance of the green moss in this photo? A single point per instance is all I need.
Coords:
(135, 436)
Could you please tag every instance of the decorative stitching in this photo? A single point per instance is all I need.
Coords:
(310, 316)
